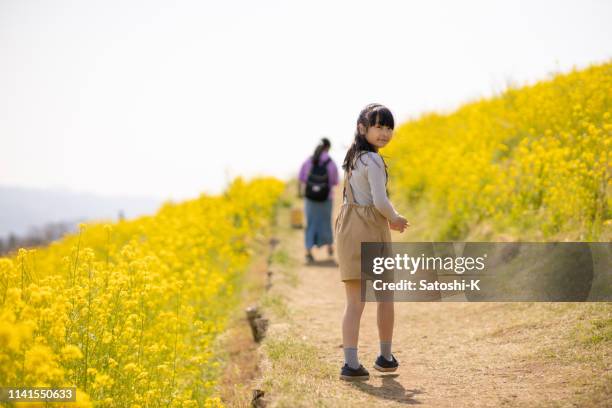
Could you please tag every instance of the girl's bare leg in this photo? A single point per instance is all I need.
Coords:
(352, 313)
(385, 315)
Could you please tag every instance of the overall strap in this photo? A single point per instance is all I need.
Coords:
(349, 191)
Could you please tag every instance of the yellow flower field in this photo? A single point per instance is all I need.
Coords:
(535, 158)
(128, 312)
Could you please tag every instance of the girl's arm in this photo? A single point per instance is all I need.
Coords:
(376, 177)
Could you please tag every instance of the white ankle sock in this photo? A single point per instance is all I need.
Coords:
(350, 357)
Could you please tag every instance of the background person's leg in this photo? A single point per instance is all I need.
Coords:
(326, 235)
(309, 233)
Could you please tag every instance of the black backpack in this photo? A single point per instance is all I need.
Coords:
(317, 184)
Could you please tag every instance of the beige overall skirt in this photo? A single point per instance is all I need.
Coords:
(356, 224)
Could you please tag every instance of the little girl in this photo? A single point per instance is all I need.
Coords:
(366, 216)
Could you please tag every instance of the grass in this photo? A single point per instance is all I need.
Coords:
(284, 265)
(276, 304)
(600, 331)
(296, 376)
(281, 258)
(292, 356)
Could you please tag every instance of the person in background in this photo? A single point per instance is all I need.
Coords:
(318, 175)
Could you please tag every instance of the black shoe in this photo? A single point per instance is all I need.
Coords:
(354, 374)
(310, 259)
(386, 366)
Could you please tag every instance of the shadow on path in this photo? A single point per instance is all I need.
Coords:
(390, 390)
(327, 263)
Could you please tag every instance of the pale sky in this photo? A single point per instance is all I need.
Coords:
(170, 98)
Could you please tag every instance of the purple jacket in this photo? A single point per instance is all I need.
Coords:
(332, 171)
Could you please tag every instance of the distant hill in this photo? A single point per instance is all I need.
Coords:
(23, 210)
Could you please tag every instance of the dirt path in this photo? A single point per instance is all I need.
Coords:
(451, 354)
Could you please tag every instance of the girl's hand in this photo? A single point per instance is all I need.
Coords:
(399, 224)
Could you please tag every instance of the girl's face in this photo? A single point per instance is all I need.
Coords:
(377, 135)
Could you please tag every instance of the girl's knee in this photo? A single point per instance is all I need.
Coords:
(355, 307)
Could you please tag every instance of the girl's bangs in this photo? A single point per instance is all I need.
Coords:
(381, 116)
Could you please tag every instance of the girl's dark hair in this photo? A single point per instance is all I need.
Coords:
(324, 144)
(373, 114)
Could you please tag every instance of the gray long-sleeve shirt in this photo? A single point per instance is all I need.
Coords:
(368, 183)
